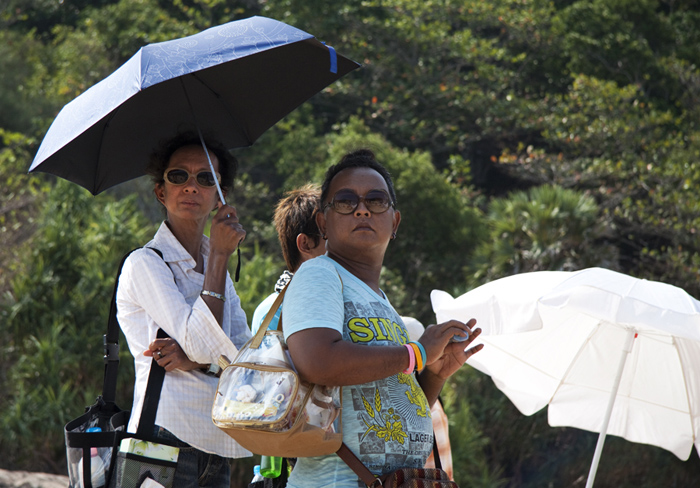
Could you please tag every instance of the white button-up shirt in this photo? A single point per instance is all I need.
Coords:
(164, 293)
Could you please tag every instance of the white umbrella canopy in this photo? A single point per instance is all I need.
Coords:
(607, 352)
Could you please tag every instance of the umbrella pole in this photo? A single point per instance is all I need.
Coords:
(631, 335)
(211, 166)
(204, 146)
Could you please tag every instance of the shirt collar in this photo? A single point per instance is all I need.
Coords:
(172, 250)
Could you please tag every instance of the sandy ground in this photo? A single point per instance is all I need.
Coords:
(25, 479)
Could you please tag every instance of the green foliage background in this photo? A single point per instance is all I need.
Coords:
(522, 134)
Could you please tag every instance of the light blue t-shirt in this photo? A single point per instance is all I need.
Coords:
(261, 312)
(264, 307)
(386, 423)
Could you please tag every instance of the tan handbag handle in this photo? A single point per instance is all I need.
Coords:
(257, 339)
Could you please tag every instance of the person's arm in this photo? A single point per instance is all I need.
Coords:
(170, 355)
(453, 357)
(226, 233)
(239, 332)
(313, 319)
(147, 284)
(321, 356)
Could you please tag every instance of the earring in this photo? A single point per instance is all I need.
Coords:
(393, 235)
(325, 237)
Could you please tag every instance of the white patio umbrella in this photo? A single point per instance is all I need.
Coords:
(607, 352)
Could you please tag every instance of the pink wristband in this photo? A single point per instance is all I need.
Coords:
(411, 360)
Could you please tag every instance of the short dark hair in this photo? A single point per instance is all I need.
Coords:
(158, 163)
(296, 214)
(361, 158)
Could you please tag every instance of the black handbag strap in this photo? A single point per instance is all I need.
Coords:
(111, 341)
(436, 453)
(111, 358)
(150, 401)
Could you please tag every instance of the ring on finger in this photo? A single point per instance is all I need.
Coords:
(228, 216)
(160, 355)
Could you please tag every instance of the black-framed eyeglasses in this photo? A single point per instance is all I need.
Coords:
(178, 177)
(346, 201)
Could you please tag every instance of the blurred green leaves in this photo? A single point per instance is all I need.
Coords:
(56, 316)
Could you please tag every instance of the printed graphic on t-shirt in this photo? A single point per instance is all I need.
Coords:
(395, 427)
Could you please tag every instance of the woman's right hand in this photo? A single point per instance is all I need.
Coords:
(226, 231)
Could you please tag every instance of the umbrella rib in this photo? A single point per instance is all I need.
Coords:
(685, 384)
(572, 362)
(99, 154)
(514, 356)
(223, 104)
(95, 182)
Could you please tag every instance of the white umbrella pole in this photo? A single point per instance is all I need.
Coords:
(211, 166)
(204, 146)
(631, 334)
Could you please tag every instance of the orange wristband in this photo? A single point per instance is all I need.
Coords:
(419, 357)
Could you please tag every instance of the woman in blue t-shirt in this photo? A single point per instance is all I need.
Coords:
(342, 331)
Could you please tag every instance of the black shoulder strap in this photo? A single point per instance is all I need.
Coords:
(111, 342)
(111, 358)
(150, 401)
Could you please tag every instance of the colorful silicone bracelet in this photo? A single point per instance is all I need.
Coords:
(411, 360)
(419, 359)
(422, 353)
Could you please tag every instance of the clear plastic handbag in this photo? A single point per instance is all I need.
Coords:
(262, 403)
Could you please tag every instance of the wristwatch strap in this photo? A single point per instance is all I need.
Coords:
(213, 370)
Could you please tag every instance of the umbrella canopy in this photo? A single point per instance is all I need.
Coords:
(232, 82)
(607, 352)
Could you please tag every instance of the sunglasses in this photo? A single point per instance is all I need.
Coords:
(179, 177)
(346, 201)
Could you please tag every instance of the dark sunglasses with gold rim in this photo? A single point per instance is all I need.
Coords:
(346, 201)
(178, 177)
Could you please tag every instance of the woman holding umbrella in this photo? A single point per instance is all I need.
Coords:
(189, 294)
(342, 331)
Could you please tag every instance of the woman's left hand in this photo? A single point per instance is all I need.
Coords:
(168, 354)
(454, 353)
(226, 231)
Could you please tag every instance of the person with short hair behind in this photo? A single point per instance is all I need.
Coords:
(299, 238)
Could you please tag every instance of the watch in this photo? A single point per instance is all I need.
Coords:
(213, 370)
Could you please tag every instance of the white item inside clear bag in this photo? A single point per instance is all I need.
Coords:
(272, 352)
(323, 407)
(260, 397)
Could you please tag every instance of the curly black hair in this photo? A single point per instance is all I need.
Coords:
(159, 160)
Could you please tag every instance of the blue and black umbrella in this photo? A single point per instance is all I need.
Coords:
(230, 83)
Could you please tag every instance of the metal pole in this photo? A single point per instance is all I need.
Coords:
(204, 146)
(631, 335)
